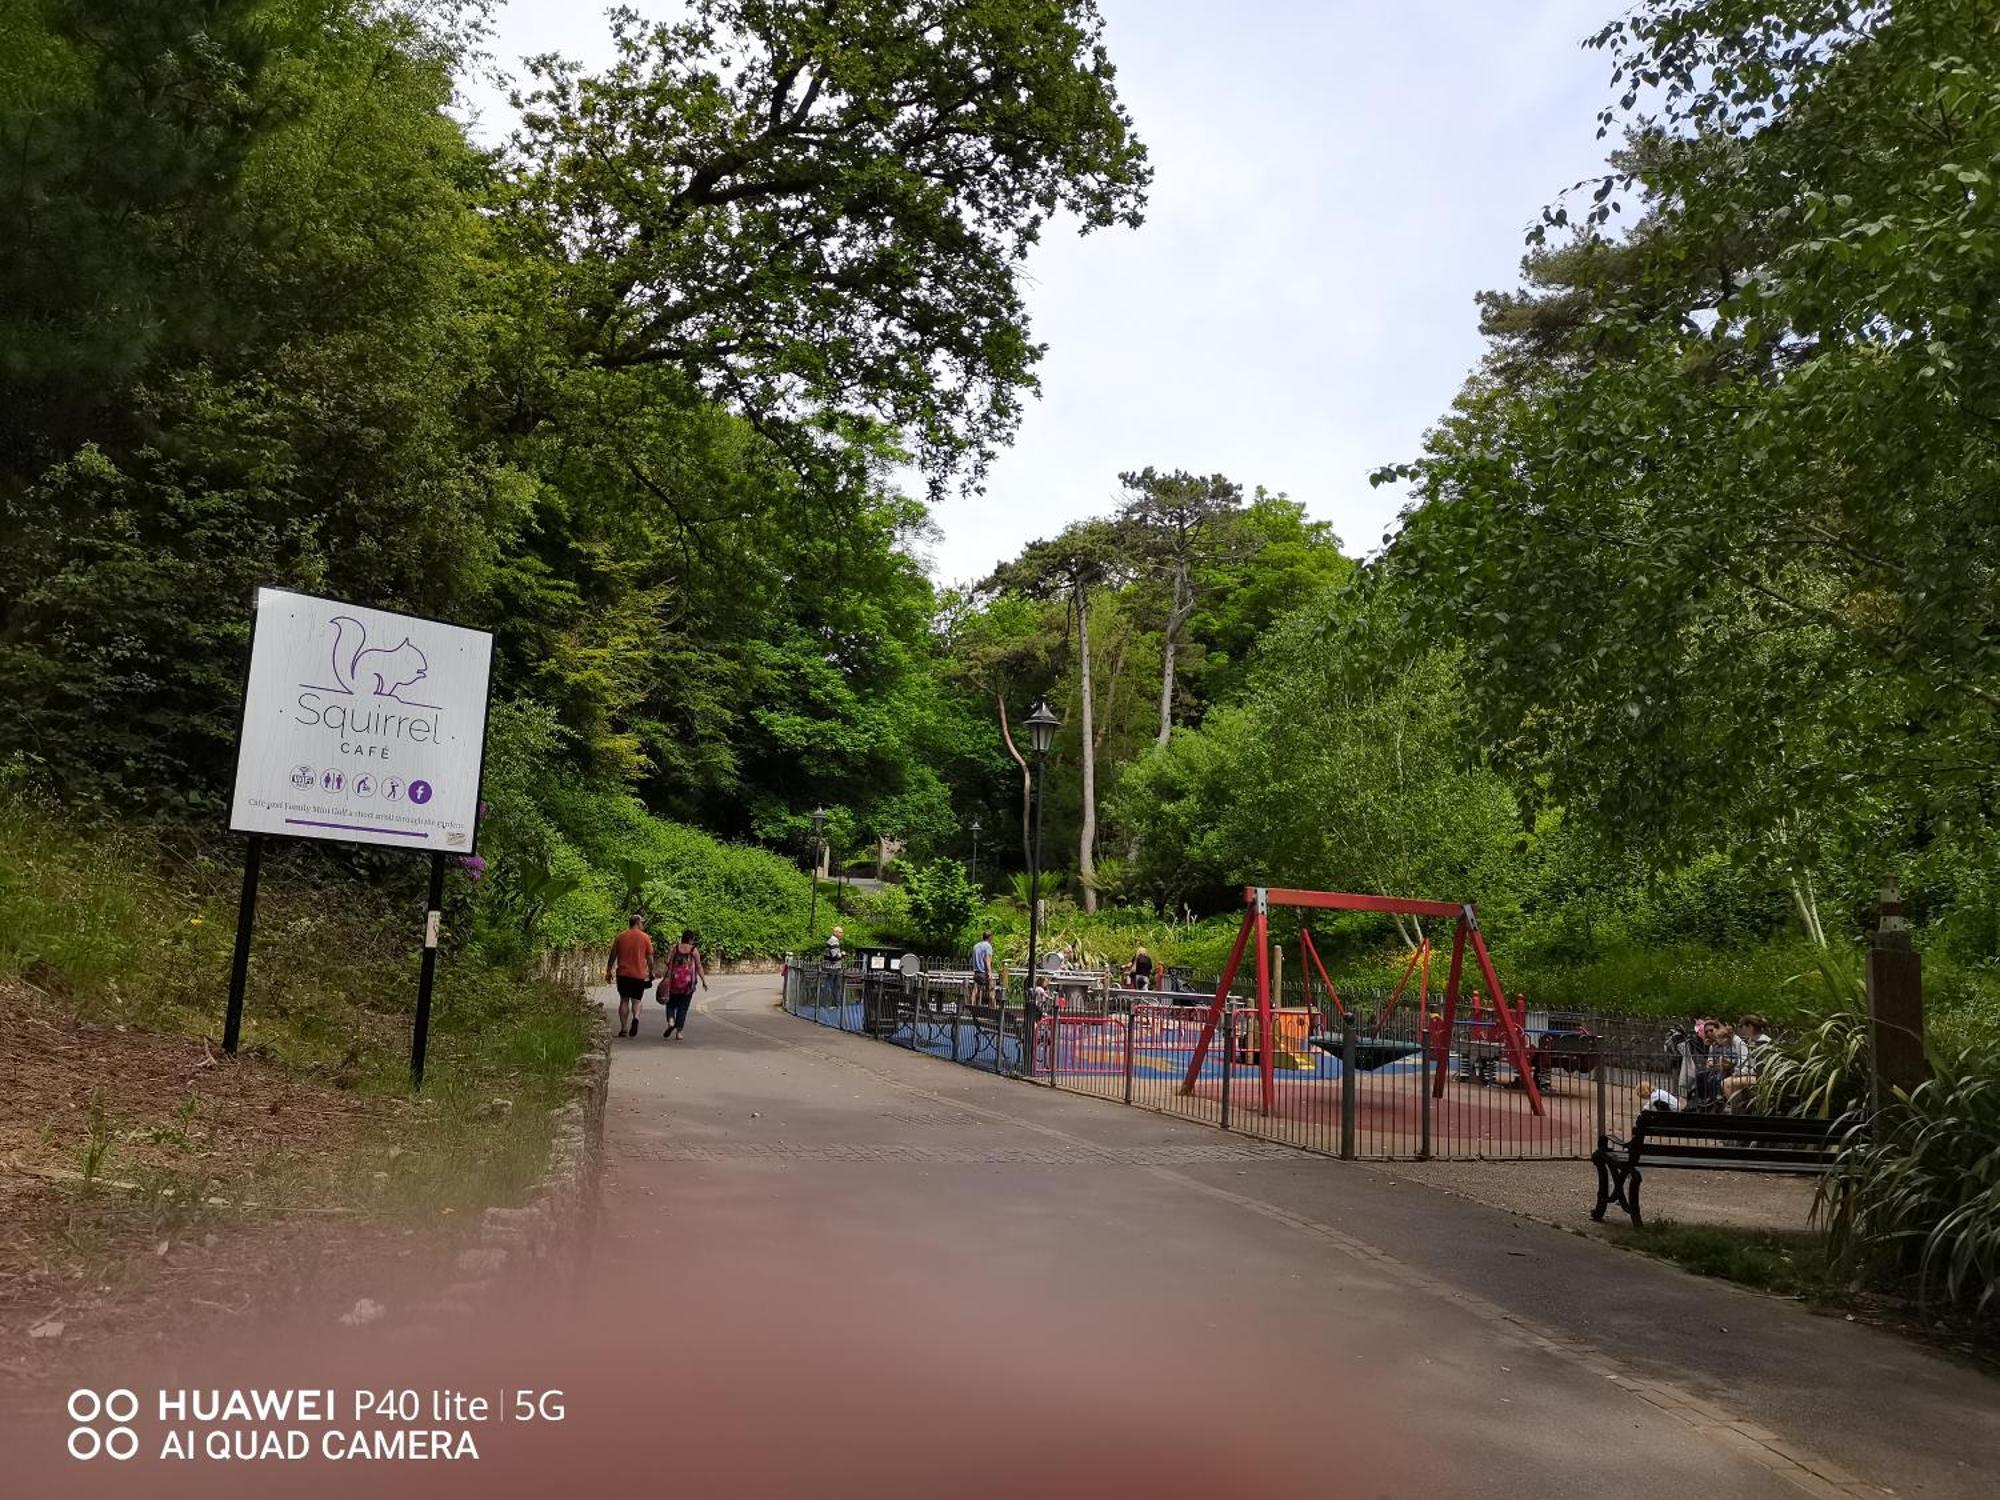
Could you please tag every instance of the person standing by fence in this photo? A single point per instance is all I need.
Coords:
(982, 968)
(630, 967)
(1139, 973)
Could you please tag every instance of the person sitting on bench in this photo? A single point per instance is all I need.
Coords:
(1740, 1084)
(1717, 1063)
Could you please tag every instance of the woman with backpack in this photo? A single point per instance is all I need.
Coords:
(684, 970)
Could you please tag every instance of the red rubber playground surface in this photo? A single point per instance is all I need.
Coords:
(1481, 1112)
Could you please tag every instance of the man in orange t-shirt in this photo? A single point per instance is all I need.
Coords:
(631, 968)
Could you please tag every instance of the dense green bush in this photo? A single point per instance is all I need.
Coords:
(941, 902)
(1919, 1196)
(884, 915)
(1108, 936)
(1821, 1070)
(1913, 1203)
(742, 901)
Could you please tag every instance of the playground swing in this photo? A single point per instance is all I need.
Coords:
(1258, 901)
(1371, 1050)
(1294, 1038)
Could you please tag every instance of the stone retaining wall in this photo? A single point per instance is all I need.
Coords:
(747, 966)
(549, 1236)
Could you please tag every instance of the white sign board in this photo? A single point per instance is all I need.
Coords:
(362, 726)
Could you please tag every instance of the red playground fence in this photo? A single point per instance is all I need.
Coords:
(1404, 1072)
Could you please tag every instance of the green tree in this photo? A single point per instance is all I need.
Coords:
(180, 419)
(1277, 562)
(942, 900)
(817, 216)
(1072, 567)
(1179, 524)
(1004, 648)
(1719, 521)
(1349, 766)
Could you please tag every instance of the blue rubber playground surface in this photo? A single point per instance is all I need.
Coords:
(1092, 1049)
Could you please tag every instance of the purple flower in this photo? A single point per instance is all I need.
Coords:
(482, 812)
(474, 866)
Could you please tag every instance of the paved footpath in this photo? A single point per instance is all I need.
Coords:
(878, 1273)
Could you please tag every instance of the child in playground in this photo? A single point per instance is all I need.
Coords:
(1652, 1096)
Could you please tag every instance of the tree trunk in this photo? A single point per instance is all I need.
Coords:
(1110, 715)
(1806, 901)
(1027, 778)
(1179, 608)
(1086, 863)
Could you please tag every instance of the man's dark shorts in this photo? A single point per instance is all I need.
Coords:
(631, 987)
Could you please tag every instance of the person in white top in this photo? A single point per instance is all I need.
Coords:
(1745, 1043)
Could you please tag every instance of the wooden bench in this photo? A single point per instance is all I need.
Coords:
(1791, 1144)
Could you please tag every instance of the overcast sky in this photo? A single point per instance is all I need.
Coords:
(1334, 179)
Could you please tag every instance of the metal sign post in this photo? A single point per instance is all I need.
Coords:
(420, 1036)
(239, 966)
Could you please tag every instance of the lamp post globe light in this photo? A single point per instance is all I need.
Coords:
(818, 816)
(1042, 726)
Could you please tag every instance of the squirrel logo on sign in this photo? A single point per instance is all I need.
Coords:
(378, 671)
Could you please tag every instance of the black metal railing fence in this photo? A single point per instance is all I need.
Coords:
(1382, 1082)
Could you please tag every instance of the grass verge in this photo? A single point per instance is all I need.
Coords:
(1784, 1263)
(132, 1153)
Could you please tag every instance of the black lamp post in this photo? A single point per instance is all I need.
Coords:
(818, 816)
(1042, 726)
(975, 853)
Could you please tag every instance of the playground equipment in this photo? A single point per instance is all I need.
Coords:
(1371, 1052)
(1419, 964)
(1374, 1052)
(1507, 1026)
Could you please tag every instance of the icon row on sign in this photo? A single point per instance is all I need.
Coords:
(334, 782)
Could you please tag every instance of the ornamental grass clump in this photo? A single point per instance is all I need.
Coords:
(1914, 1203)
(1823, 1070)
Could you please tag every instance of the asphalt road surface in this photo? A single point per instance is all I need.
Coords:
(938, 1281)
(826, 1267)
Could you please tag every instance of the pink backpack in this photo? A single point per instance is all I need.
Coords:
(680, 977)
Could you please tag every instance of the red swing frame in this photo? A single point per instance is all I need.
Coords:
(1419, 967)
(1258, 901)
